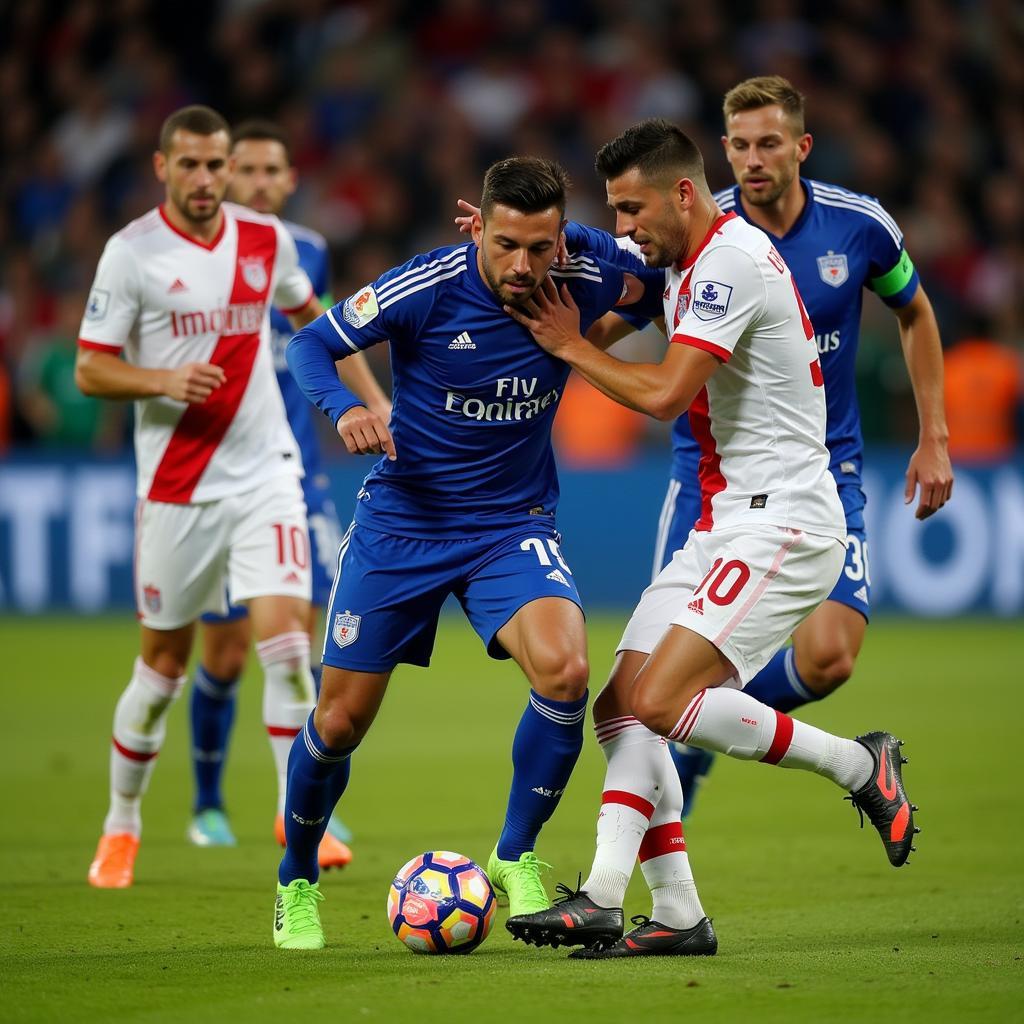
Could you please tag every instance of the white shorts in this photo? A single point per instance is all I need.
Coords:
(190, 558)
(745, 590)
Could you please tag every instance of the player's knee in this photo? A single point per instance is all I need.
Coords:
(227, 663)
(337, 727)
(653, 710)
(827, 669)
(168, 664)
(562, 678)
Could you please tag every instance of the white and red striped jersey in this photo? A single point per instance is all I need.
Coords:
(165, 299)
(760, 420)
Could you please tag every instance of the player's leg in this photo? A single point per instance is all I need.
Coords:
(225, 641)
(753, 600)
(522, 601)
(178, 570)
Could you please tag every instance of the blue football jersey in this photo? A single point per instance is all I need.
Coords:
(313, 259)
(474, 396)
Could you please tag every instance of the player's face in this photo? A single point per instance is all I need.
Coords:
(651, 214)
(196, 171)
(517, 250)
(765, 153)
(263, 178)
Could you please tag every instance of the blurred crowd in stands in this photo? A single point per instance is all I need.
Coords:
(395, 107)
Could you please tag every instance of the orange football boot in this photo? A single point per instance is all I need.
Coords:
(332, 853)
(113, 867)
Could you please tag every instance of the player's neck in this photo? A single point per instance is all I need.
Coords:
(698, 231)
(777, 218)
(204, 231)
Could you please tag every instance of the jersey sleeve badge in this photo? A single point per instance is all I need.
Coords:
(98, 304)
(361, 308)
(833, 268)
(710, 300)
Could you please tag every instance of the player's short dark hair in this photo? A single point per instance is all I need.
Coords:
(656, 148)
(197, 119)
(528, 184)
(766, 91)
(260, 130)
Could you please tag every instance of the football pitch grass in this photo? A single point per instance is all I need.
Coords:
(813, 924)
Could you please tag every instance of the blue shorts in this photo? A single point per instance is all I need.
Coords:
(324, 539)
(681, 510)
(389, 591)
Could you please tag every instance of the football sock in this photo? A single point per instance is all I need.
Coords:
(779, 684)
(547, 745)
(664, 860)
(212, 710)
(287, 697)
(732, 722)
(140, 723)
(633, 786)
(317, 776)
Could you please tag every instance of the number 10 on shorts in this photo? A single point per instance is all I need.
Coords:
(292, 545)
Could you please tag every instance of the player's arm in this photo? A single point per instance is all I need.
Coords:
(662, 390)
(612, 327)
(929, 467)
(106, 375)
(312, 357)
(354, 371)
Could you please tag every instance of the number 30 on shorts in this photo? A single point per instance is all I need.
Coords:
(724, 582)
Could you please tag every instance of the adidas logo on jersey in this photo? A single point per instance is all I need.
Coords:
(178, 286)
(557, 576)
(861, 593)
(697, 606)
(462, 341)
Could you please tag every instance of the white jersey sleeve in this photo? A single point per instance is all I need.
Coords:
(727, 296)
(115, 299)
(292, 287)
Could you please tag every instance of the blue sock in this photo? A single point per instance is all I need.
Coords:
(545, 750)
(317, 776)
(779, 684)
(212, 711)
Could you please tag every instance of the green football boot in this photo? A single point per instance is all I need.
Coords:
(517, 883)
(297, 917)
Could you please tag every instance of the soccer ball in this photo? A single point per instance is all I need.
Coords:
(441, 902)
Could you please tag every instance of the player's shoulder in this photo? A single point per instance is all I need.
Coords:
(304, 235)
(726, 199)
(840, 203)
(419, 278)
(135, 233)
(736, 240)
(581, 266)
(250, 216)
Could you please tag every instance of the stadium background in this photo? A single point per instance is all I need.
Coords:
(394, 110)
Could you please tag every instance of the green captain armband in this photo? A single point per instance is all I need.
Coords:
(896, 279)
(326, 300)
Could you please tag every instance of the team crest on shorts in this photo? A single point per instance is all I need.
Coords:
(346, 628)
(833, 269)
(151, 598)
(254, 272)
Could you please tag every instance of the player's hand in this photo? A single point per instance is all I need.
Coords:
(365, 433)
(465, 222)
(929, 469)
(193, 382)
(552, 317)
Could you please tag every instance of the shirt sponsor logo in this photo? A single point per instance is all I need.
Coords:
(712, 300)
(238, 318)
(98, 304)
(346, 628)
(254, 272)
(833, 268)
(827, 342)
(361, 308)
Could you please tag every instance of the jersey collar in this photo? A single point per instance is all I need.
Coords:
(798, 224)
(713, 230)
(209, 246)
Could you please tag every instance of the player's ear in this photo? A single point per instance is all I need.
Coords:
(803, 146)
(160, 165)
(293, 180)
(476, 227)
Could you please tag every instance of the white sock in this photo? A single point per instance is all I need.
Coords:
(734, 723)
(632, 789)
(288, 697)
(664, 860)
(140, 723)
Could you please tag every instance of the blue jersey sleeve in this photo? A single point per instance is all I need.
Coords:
(893, 276)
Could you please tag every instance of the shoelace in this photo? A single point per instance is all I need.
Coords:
(302, 908)
(566, 893)
(528, 876)
(640, 920)
(856, 803)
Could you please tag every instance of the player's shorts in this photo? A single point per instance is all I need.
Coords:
(324, 541)
(745, 590)
(681, 509)
(189, 558)
(389, 591)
